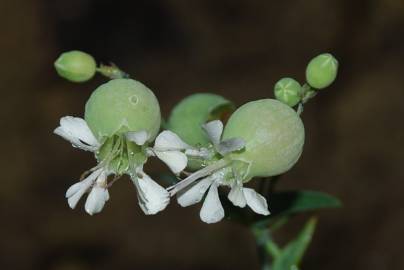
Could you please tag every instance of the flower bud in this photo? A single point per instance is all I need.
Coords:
(76, 66)
(187, 117)
(274, 136)
(288, 91)
(122, 105)
(321, 71)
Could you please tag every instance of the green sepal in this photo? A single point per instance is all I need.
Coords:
(121, 155)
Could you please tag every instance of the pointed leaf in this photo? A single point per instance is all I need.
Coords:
(293, 252)
(292, 202)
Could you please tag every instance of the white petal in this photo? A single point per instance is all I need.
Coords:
(212, 210)
(139, 137)
(76, 191)
(152, 197)
(175, 160)
(194, 194)
(236, 196)
(168, 140)
(256, 201)
(201, 152)
(76, 131)
(230, 145)
(73, 189)
(96, 200)
(214, 130)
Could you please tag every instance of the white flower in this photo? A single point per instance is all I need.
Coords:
(174, 152)
(212, 210)
(170, 149)
(152, 197)
(191, 192)
(76, 131)
(214, 130)
(96, 184)
(98, 196)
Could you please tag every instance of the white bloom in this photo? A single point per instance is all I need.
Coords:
(98, 196)
(170, 149)
(173, 151)
(152, 197)
(76, 131)
(96, 184)
(212, 210)
(214, 130)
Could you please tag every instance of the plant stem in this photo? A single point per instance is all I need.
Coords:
(112, 71)
(198, 174)
(267, 249)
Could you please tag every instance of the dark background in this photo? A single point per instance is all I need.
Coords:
(354, 147)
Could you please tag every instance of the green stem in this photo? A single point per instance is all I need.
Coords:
(272, 184)
(272, 248)
(267, 249)
(112, 72)
(307, 94)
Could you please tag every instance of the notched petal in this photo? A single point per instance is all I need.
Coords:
(152, 197)
(175, 160)
(76, 131)
(230, 145)
(212, 210)
(236, 196)
(256, 201)
(168, 140)
(96, 200)
(214, 130)
(194, 194)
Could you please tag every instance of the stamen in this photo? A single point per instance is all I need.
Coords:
(198, 174)
(116, 178)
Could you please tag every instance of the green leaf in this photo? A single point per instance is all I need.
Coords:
(293, 252)
(294, 202)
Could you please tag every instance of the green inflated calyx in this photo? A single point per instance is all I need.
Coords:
(288, 91)
(76, 66)
(322, 71)
(122, 105)
(188, 116)
(274, 136)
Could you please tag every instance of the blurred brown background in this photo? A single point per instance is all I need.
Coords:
(238, 49)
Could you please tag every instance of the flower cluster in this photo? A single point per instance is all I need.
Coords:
(121, 127)
(169, 148)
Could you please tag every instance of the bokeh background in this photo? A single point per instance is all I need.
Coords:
(355, 132)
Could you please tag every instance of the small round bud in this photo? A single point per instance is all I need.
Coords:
(274, 136)
(288, 91)
(122, 105)
(189, 114)
(76, 66)
(321, 71)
